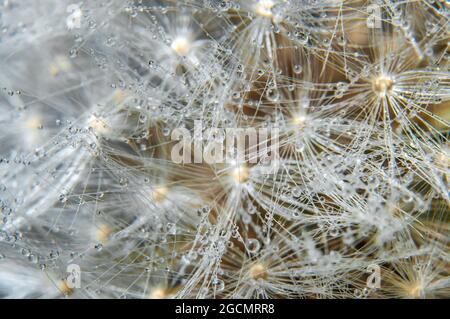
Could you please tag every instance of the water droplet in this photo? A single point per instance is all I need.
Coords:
(73, 53)
(63, 198)
(253, 245)
(300, 146)
(298, 69)
(273, 95)
(166, 131)
(32, 258)
(219, 285)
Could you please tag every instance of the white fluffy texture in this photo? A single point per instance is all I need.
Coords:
(86, 175)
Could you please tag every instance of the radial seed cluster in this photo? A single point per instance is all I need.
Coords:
(355, 204)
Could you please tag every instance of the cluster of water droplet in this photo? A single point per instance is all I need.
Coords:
(90, 96)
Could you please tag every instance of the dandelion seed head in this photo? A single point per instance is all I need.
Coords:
(34, 123)
(160, 293)
(65, 288)
(382, 85)
(415, 291)
(299, 120)
(264, 8)
(240, 173)
(98, 125)
(360, 178)
(120, 96)
(181, 46)
(159, 193)
(61, 64)
(258, 271)
(102, 233)
(444, 157)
